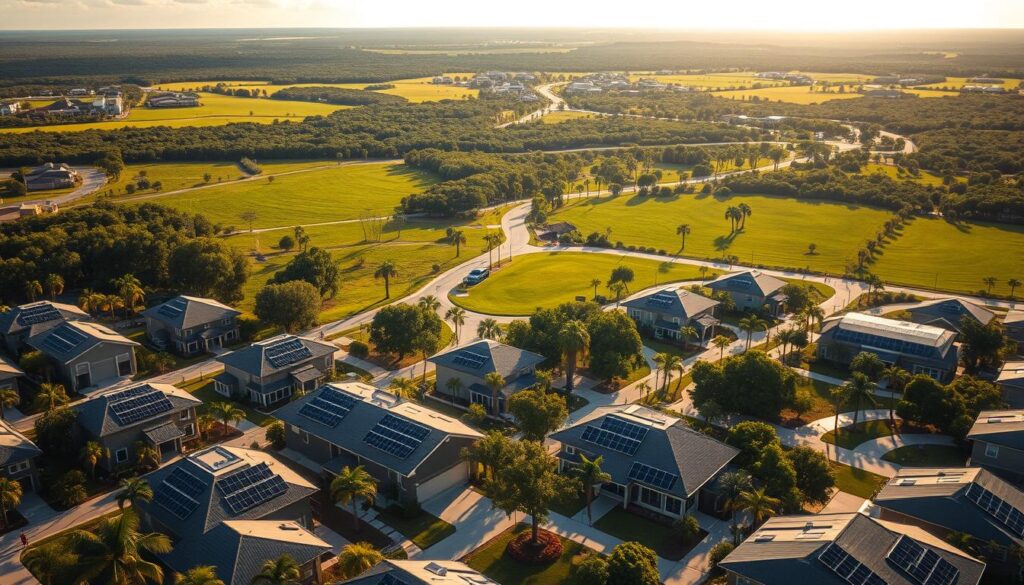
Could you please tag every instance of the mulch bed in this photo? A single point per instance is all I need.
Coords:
(546, 551)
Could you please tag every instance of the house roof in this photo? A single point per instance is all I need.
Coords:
(282, 352)
(421, 573)
(749, 281)
(789, 549)
(666, 444)
(953, 498)
(190, 500)
(482, 357)
(134, 406)
(238, 549)
(1014, 317)
(71, 339)
(185, 312)
(1012, 373)
(674, 302)
(38, 317)
(949, 310)
(1000, 427)
(8, 369)
(14, 446)
(365, 409)
(927, 335)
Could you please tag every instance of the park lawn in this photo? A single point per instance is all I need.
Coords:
(424, 529)
(927, 456)
(934, 253)
(776, 234)
(492, 561)
(858, 482)
(549, 279)
(800, 94)
(862, 432)
(415, 90)
(893, 172)
(203, 390)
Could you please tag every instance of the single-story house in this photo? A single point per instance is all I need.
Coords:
(665, 312)
(1013, 324)
(20, 323)
(87, 354)
(919, 349)
(839, 549)
(552, 231)
(752, 290)
(402, 572)
(411, 450)
(657, 463)
(461, 372)
(172, 100)
(159, 415)
(997, 442)
(191, 325)
(1011, 382)
(9, 374)
(947, 313)
(51, 176)
(270, 371)
(18, 458)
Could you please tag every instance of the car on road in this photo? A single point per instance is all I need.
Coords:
(476, 276)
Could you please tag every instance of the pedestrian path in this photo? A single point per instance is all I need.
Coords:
(883, 445)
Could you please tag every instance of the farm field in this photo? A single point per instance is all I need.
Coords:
(958, 82)
(415, 90)
(790, 94)
(836, 77)
(777, 233)
(547, 279)
(557, 117)
(937, 254)
(711, 80)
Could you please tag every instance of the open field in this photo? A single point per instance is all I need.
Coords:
(924, 177)
(547, 279)
(415, 90)
(558, 117)
(789, 94)
(958, 82)
(711, 80)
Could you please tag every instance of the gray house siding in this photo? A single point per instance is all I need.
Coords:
(100, 364)
(256, 388)
(444, 374)
(24, 472)
(1004, 461)
(188, 342)
(127, 438)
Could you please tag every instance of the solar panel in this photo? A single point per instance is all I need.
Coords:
(39, 314)
(396, 436)
(287, 352)
(256, 494)
(63, 339)
(185, 482)
(1010, 516)
(610, 440)
(625, 428)
(923, 564)
(177, 493)
(238, 480)
(129, 393)
(172, 308)
(328, 407)
(337, 398)
(470, 360)
(144, 406)
(847, 567)
(390, 579)
(405, 427)
(652, 476)
(661, 299)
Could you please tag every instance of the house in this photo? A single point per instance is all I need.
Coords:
(9, 374)
(173, 100)
(967, 500)
(18, 458)
(158, 415)
(919, 349)
(10, 108)
(24, 321)
(233, 509)
(270, 371)
(1013, 325)
(997, 442)
(80, 91)
(664, 313)
(1011, 382)
(552, 231)
(110, 105)
(191, 325)
(51, 176)
(752, 290)
(657, 463)
(947, 313)
(395, 572)
(838, 549)
(411, 450)
(470, 364)
(87, 354)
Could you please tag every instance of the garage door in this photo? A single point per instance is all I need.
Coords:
(455, 476)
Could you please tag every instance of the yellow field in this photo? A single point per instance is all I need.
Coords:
(931, 93)
(415, 90)
(793, 95)
(711, 80)
(558, 117)
(836, 77)
(958, 82)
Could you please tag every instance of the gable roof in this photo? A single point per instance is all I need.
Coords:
(112, 411)
(1012, 373)
(677, 302)
(8, 369)
(668, 445)
(71, 339)
(38, 317)
(949, 310)
(369, 407)
(260, 358)
(1014, 317)
(422, 573)
(482, 357)
(185, 312)
(749, 281)
(906, 331)
(1000, 427)
(14, 446)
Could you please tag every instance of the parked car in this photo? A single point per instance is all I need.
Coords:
(476, 276)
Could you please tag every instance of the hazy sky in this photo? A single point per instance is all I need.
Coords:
(689, 14)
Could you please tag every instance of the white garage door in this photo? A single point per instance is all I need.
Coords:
(455, 476)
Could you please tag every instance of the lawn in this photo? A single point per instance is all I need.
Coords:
(776, 234)
(558, 117)
(858, 482)
(415, 90)
(934, 253)
(203, 390)
(424, 529)
(927, 456)
(548, 279)
(492, 561)
(853, 435)
(628, 526)
(894, 172)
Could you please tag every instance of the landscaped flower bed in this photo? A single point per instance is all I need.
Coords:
(546, 550)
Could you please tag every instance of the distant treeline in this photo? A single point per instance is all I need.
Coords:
(336, 95)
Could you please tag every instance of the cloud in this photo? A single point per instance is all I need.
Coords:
(130, 2)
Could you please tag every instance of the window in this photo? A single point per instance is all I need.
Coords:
(991, 451)
(650, 497)
(570, 450)
(121, 456)
(305, 437)
(478, 398)
(18, 467)
(124, 364)
(673, 505)
(189, 430)
(185, 415)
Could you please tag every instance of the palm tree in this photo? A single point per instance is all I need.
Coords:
(355, 559)
(454, 385)
(495, 382)
(404, 388)
(595, 282)
(749, 325)
(146, 455)
(54, 285)
(488, 329)
(573, 340)
(129, 290)
(46, 561)
(112, 303)
(785, 337)
(492, 241)
(618, 288)
(350, 485)
(91, 454)
(205, 422)
(226, 413)
(9, 397)
(201, 575)
(387, 270)
(280, 571)
(91, 302)
(758, 504)
(49, 396)
(457, 238)
(10, 496)
(688, 332)
(457, 315)
(590, 475)
(897, 378)
(812, 314)
(990, 281)
(32, 290)
(683, 230)
(670, 363)
(112, 552)
(133, 491)
(430, 303)
(860, 390)
(745, 212)
(1013, 283)
(732, 484)
(776, 154)
(721, 342)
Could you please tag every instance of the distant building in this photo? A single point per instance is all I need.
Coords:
(191, 325)
(401, 572)
(173, 100)
(550, 232)
(79, 92)
(1013, 324)
(442, 80)
(270, 371)
(470, 364)
(665, 312)
(24, 321)
(111, 105)
(1011, 382)
(947, 313)
(18, 458)
(10, 108)
(51, 176)
(752, 290)
(997, 442)
(87, 354)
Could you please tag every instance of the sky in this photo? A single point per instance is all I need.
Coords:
(807, 15)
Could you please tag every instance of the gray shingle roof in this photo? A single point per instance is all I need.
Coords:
(948, 310)
(1000, 427)
(423, 573)
(496, 357)
(14, 446)
(98, 419)
(677, 302)
(253, 359)
(185, 312)
(90, 335)
(750, 281)
(16, 320)
(8, 369)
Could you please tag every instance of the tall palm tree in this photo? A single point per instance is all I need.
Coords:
(493, 241)
(112, 552)
(10, 496)
(860, 391)
(129, 290)
(226, 413)
(688, 332)
(49, 396)
(454, 385)
(745, 212)
(91, 454)
(32, 290)
(1013, 284)
(488, 329)
(758, 504)
(48, 561)
(457, 238)
(732, 484)
(404, 388)
(573, 340)
(495, 382)
(990, 282)
(896, 378)
(351, 484)
(9, 397)
(812, 314)
(387, 270)
(595, 282)
(200, 575)
(590, 474)
(54, 284)
(670, 363)
(280, 571)
(146, 455)
(457, 315)
(749, 325)
(721, 342)
(683, 230)
(734, 215)
(429, 303)
(357, 558)
(134, 490)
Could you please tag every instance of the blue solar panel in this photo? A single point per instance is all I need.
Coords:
(471, 360)
(128, 393)
(177, 493)
(405, 427)
(63, 339)
(1010, 516)
(286, 353)
(185, 482)
(847, 567)
(388, 445)
(396, 436)
(38, 314)
(339, 398)
(238, 480)
(624, 428)
(610, 440)
(256, 494)
(141, 407)
(652, 476)
(172, 308)
(328, 407)
(923, 564)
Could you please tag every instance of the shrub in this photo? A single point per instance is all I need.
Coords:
(632, 563)
(686, 528)
(593, 570)
(719, 552)
(545, 551)
(248, 165)
(476, 414)
(435, 268)
(359, 349)
(275, 434)
(70, 490)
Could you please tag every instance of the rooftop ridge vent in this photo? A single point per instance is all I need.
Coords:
(436, 569)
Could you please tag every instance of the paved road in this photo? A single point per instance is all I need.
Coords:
(92, 180)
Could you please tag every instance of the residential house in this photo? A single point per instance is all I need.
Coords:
(87, 354)
(24, 321)
(233, 509)
(752, 290)
(967, 500)
(664, 313)
(9, 374)
(157, 415)
(10, 108)
(552, 231)
(191, 325)
(1013, 325)
(51, 176)
(919, 349)
(838, 549)
(997, 442)
(947, 313)
(470, 364)
(18, 458)
(1011, 382)
(657, 463)
(412, 451)
(402, 572)
(270, 371)
(110, 105)
(172, 100)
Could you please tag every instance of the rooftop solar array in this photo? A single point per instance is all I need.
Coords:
(396, 436)
(131, 409)
(924, 565)
(38, 314)
(328, 407)
(286, 352)
(63, 339)
(662, 299)
(172, 308)
(230, 484)
(624, 427)
(177, 494)
(603, 438)
(250, 487)
(847, 567)
(129, 393)
(470, 360)
(652, 476)
(1010, 516)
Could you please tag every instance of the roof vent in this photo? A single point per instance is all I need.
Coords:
(764, 538)
(436, 569)
(287, 526)
(906, 482)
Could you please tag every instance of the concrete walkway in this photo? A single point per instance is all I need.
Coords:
(883, 445)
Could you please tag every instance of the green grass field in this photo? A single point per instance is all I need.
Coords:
(893, 172)
(793, 95)
(547, 279)
(492, 560)
(415, 90)
(557, 117)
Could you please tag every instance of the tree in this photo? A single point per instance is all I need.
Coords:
(814, 476)
(33, 289)
(981, 345)
(405, 388)
(896, 379)
(686, 529)
(488, 329)
(54, 284)
(492, 452)
(721, 342)
(493, 241)
(1013, 283)
(457, 238)
(495, 382)
(457, 315)
(404, 329)
(129, 289)
(591, 476)
(595, 282)
(351, 484)
(52, 431)
(750, 383)
(9, 398)
(536, 412)
(752, 323)
(592, 570)
(573, 340)
(758, 504)
(615, 346)
(280, 571)
(858, 392)
(10, 496)
(206, 422)
(355, 559)
(621, 274)
(869, 364)
(732, 484)
(529, 482)
(734, 215)
(670, 362)
(49, 397)
(301, 237)
(199, 575)
(315, 266)
(275, 435)
(751, 438)
(632, 563)
(226, 413)
(387, 270)
(113, 551)
(718, 552)
(133, 491)
(745, 212)
(51, 562)
(91, 454)
(990, 282)
(683, 230)
(146, 455)
(248, 217)
(688, 332)
(209, 268)
(286, 243)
